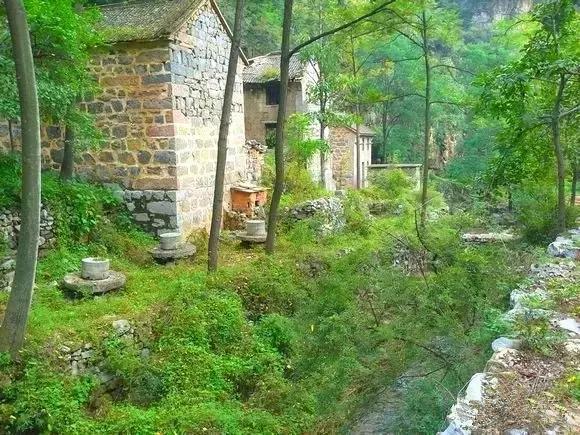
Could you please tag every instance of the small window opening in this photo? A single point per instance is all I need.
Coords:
(273, 93)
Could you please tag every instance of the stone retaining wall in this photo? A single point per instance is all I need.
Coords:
(516, 392)
(9, 230)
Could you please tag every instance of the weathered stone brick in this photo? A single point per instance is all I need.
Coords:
(155, 183)
(53, 132)
(165, 157)
(154, 170)
(119, 80)
(96, 107)
(119, 131)
(160, 131)
(117, 105)
(56, 155)
(126, 158)
(144, 157)
(106, 156)
(162, 207)
(133, 104)
(150, 56)
(164, 103)
(156, 79)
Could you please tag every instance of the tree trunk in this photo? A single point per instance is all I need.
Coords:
(427, 127)
(11, 136)
(16, 315)
(222, 147)
(560, 162)
(68, 164)
(358, 158)
(322, 157)
(384, 120)
(280, 127)
(575, 173)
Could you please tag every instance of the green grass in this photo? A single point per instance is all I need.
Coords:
(290, 343)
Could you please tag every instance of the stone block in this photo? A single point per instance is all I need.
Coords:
(144, 157)
(156, 79)
(126, 158)
(156, 55)
(160, 131)
(119, 132)
(165, 157)
(106, 156)
(121, 80)
(141, 217)
(155, 184)
(160, 104)
(167, 208)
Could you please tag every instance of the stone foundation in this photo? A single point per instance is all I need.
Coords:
(9, 230)
(154, 210)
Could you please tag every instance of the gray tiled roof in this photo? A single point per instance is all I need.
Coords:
(145, 20)
(364, 130)
(266, 68)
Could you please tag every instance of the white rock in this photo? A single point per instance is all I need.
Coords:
(570, 325)
(122, 326)
(505, 343)
(474, 391)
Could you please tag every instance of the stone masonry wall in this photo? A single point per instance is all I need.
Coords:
(9, 229)
(199, 63)
(159, 111)
(342, 142)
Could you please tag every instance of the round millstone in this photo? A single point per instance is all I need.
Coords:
(169, 241)
(256, 228)
(185, 250)
(75, 283)
(95, 268)
(247, 238)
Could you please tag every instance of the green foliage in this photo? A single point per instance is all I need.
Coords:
(10, 174)
(357, 213)
(262, 346)
(45, 401)
(535, 210)
(78, 207)
(390, 184)
(63, 32)
(537, 333)
(301, 146)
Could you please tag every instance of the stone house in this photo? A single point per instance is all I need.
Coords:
(261, 97)
(344, 156)
(162, 80)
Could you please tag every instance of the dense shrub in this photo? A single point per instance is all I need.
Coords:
(10, 173)
(78, 207)
(535, 209)
(390, 184)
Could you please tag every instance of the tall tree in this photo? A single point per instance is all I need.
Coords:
(280, 126)
(536, 96)
(427, 26)
(286, 54)
(16, 315)
(222, 146)
(63, 32)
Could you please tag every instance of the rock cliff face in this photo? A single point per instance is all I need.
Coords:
(487, 12)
